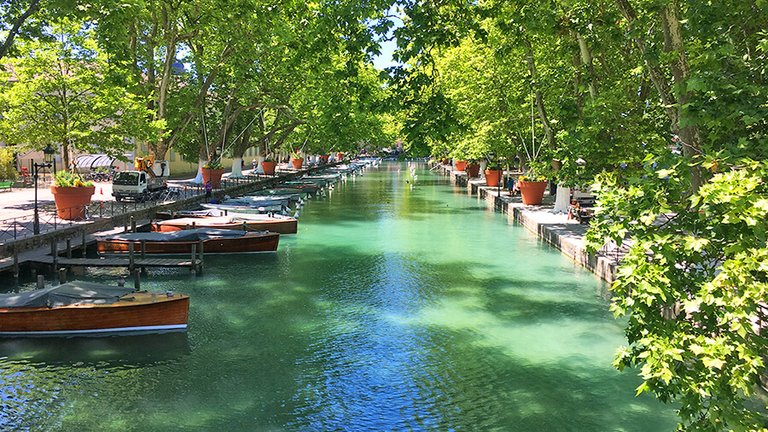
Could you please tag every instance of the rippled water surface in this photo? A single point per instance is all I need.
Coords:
(392, 309)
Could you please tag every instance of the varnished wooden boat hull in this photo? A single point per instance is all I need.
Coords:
(289, 226)
(246, 244)
(136, 312)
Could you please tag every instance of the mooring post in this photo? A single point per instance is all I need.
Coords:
(62, 275)
(54, 253)
(136, 279)
(40, 281)
(15, 264)
(143, 248)
(69, 248)
(245, 226)
(199, 269)
(82, 243)
(193, 224)
(194, 256)
(130, 257)
(133, 224)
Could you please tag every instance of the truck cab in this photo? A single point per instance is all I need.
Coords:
(137, 186)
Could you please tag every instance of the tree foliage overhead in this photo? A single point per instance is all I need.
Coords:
(664, 105)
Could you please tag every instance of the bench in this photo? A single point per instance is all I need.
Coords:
(6, 185)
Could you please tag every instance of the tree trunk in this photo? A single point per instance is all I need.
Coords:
(586, 60)
(539, 98)
(237, 167)
(688, 134)
(34, 5)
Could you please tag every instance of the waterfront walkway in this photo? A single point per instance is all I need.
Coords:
(565, 234)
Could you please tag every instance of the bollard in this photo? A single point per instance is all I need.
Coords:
(82, 243)
(62, 275)
(40, 281)
(133, 224)
(143, 248)
(136, 280)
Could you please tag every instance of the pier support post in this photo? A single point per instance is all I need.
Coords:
(194, 257)
(131, 264)
(136, 279)
(82, 243)
(40, 281)
(62, 275)
(54, 253)
(69, 248)
(15, 264)
(199, 269)
(133, 224)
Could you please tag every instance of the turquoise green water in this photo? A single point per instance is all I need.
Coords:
(392, 309)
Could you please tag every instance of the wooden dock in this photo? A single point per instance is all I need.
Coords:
(137, 262)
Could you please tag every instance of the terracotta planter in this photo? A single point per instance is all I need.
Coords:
(473, 170)
(71, 201)
(339, 156)
(532, 191)
(214, 175)
(492, 177)
(460, 165)
(324, 158)
(297, 162)
(269, 167)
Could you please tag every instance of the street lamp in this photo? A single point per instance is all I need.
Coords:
(48, 152)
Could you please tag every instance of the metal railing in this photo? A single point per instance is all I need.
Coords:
(23, 226)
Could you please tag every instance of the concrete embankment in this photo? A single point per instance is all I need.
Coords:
(553, 228)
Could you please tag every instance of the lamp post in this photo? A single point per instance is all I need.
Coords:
(48, 152)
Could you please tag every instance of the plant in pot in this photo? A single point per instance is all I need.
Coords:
(297, 160)
(72, 194)
(269, 164)
(493, 173)
(533, 184)
(212, 171)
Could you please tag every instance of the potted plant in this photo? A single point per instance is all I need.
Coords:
(213, 170)
(473, 168)
(339, 156)
(297, 160)
(493, 173)
(71, 193)
(268, 165)
(324, 158)
(532, 187)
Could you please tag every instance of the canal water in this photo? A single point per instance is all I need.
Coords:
(394, 308)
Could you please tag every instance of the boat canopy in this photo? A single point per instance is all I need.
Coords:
(71, 293)
(178, 236)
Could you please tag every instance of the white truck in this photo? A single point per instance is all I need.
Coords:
(138, 185)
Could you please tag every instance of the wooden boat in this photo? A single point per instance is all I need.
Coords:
(181, 242)
(245, 209)
(79, 308)
(277, 223)
(294, 193)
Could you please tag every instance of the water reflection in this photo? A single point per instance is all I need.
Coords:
(137, 349)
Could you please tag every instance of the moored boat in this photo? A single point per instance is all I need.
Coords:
(225, 209)
(181, 242)
(277, 223)
(80, 308)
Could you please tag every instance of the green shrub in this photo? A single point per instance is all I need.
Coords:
(7, 165)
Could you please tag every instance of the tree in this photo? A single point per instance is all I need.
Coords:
(68, 93)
